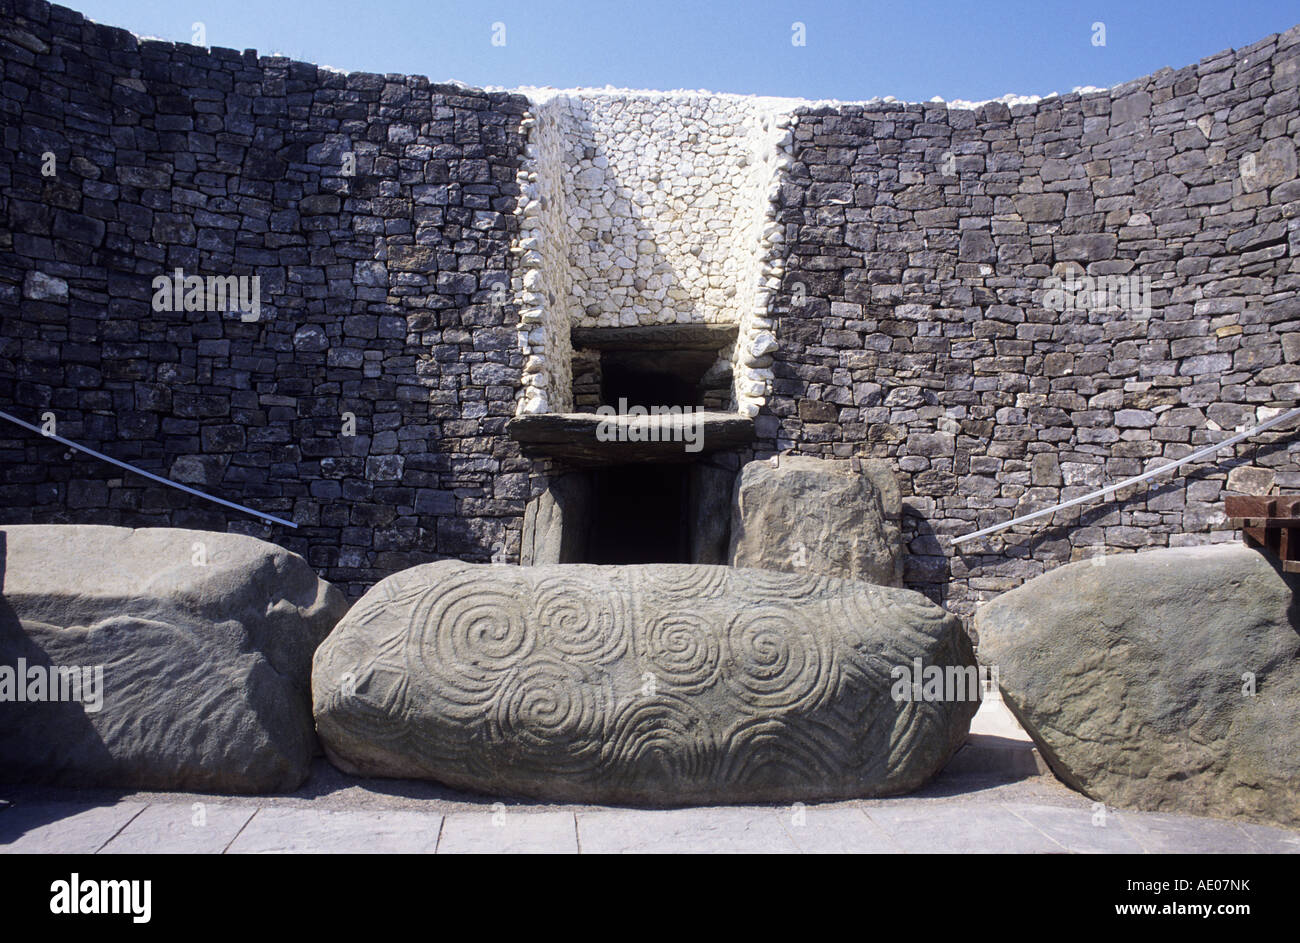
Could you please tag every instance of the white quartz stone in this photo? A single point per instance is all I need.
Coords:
(622, 222)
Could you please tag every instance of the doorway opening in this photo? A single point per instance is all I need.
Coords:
(645, 512)
(641, 515)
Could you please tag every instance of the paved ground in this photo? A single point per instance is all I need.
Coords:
(990, 799)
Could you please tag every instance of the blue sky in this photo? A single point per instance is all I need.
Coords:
(853, 50)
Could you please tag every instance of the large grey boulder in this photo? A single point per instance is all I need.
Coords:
(663, 684)
(201, 643)
(1134, 672)
(816, 515)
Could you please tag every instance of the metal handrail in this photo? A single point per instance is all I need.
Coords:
(1199, 453)
(139, 471)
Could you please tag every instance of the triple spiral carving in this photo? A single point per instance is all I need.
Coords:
(604, 680)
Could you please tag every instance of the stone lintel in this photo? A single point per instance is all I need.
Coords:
(573, 437)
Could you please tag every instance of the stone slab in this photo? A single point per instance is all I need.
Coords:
(573, 436)
(800, 513)
(203, 828)
(498, 831)
(63, 827)
(322, 831)
(655, 337)
(650, 685)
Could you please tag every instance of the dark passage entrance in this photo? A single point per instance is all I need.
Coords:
(641, 515)
(653, 365)
(654, 378)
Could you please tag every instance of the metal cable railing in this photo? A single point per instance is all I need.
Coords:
(139, 471)
(1136, 479)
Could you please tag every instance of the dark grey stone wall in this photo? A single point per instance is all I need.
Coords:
(916, 324)
(376, 296)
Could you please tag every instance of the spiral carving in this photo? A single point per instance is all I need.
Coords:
(468, 633)
(765, 751)
(777, 661)
(551, 714)
(770, 586)
(580, 622)
(665, 684)
(661, 740)
(681, 649)
(682, 583)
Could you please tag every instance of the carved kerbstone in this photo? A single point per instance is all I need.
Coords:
(203, 643)
(1167, 680)
(662, 684)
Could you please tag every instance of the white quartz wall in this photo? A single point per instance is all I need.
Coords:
(543, 278)
(645, 208)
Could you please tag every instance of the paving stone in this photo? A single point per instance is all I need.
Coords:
(1080, 828)
(176, 828)
(317, 831)
(1160, 833)
(501, 831)
(63, 827)
(837, 831)
(685, 831)
(975, 814)
(934, 827)
(1272, 840)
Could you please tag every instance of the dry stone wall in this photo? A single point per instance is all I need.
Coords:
(377, 213)
(1011, 304)
(1017, 305)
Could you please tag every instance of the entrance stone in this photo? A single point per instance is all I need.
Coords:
(658, 684)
